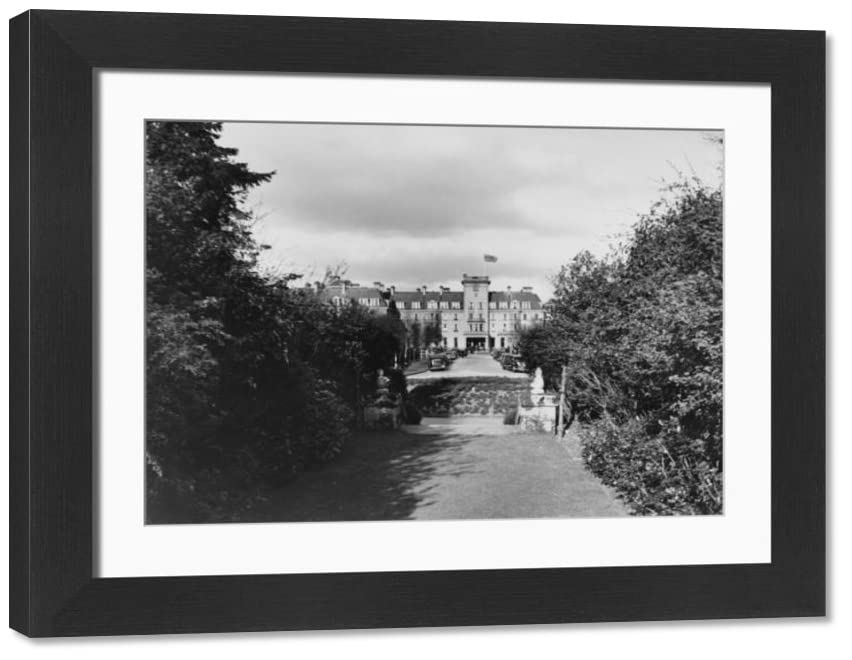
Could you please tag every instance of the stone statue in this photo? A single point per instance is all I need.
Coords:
(382, 382)
(384, 411)
(537, 386)
(540, 416)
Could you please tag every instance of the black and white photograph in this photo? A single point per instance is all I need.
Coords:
(387, 322)
(502, 329)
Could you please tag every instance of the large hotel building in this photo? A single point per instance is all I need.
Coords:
(474, 317)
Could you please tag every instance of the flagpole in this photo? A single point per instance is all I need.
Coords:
(487, 258)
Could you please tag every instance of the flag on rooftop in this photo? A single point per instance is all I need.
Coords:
(490, 258)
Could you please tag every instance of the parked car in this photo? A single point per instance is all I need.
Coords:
(461, 352)
(497, 354)
(507, 361)
(452, 354)
(519, 366)
(438, 362)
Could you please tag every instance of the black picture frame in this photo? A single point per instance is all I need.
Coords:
(53, 345)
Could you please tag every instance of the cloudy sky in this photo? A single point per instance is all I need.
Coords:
(415, 205)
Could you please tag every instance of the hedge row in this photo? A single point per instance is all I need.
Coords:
(655, 473)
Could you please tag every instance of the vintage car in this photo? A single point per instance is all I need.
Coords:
(519, 365)
(507, 361)
(461, 352)
(452, 354)
(438, 362)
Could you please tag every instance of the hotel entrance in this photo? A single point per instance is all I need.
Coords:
(476, 343)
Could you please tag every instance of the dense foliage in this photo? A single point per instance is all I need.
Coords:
(249, 379)
(641, 334)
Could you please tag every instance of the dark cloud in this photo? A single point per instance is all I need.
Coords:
(402, 180)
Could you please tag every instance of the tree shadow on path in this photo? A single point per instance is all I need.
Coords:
(379, 476)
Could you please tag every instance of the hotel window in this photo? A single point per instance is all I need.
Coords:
(504, 305)
(492, 305)
(525, 304)
(432, 304)
(415, 304)
(525, 317)
(445, 305)
(456, 305)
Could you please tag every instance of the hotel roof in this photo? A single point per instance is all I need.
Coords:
(356, 292)
(520, 296)
(406, 296)
(404, 299)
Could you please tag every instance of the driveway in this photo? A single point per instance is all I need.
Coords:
(447, 469)
(489, 470)
(472, 366)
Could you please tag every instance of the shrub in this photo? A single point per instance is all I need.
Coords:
(398, 383)
(656, 471)
(640, 332)
(206, 496)
(328, 420)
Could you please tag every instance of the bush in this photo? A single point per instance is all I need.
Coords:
(640, 331)
(398, 384)
(328, 420)
(411, 414)
(248, 379)
(656, 471)
(206, 496)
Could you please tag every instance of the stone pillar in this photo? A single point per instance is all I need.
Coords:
(541, 416)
